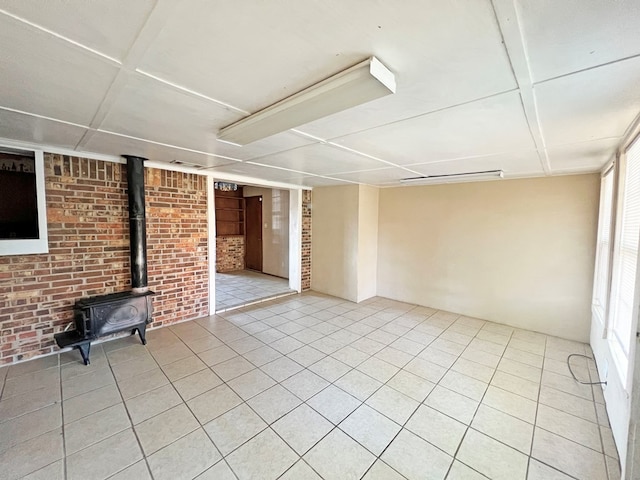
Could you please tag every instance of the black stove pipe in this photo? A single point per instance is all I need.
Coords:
(137, 223)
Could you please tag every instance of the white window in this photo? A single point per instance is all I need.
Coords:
(602, 276)
(23, 209)
(625, 261)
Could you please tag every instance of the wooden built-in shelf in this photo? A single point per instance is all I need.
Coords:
(230, 217)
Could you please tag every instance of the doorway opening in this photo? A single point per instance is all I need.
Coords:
(252, 244)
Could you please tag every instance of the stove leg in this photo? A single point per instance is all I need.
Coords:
(142, 330)
(85, 348)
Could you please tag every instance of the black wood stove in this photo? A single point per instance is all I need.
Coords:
(116, 312)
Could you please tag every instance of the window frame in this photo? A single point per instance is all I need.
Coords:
(38, 245)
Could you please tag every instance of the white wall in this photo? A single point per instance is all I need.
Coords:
(334, 241)
(518, 252)
(368, 198)
(275, 229)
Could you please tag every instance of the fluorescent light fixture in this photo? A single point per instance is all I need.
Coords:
(453, 177)
(354, 86)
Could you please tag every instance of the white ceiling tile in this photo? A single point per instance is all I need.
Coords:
(321, 159)
(100, 142)
(276, 143)
(512, 164)
(572, 35)
(254, 171)
(492, 125)
(376, 177)
(598, 103)
(107, 27)
(48, 76)
(319, 181)
(151, 110)
(260, 52)
(586, 156)
(27, 128)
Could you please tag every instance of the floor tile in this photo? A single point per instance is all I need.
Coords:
(518, 385)
(152, 403)
(381, 471)
(411, 385)
(143, 383)
(522, 370)
(338, 457)
(305, 384)
(281, 369)
(306, 355)
(217, 355)
(273, 403)
(371, 429)
(507, 429)
(358, 384)
(21, 429)
(566, 384)
(460, 471)
(350, 356)
(473, 369)
(330, 369)
(300, 471)
(28, 402)
(334, 404)
(234, 428)
(265, 456)
(378, 369)
(220, 471)
(105, 458)
(91, 402)
(79, 385)
(54, 471)
(213, 403)
(567, 456)
(95, 428)
(540, 471)
(182, 368)
(452, 404)
(436, 428)
(232, 368)
(262, 355)
(251, 384)
(32, 455)
(302, 439)
(425, 369)
(286, 345)
(393, 404)
(510, 403)
(492, 458)
(163, 429)
(568, 403)
(416, 459)
(185, 458)
(467, 386)
(440, 358)
(568, 426)
(132, 368)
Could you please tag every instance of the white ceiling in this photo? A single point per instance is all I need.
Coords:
(532, 87)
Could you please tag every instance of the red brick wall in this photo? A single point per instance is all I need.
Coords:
(177, 258)
(89, 252)
(306, 240)
(229, 254)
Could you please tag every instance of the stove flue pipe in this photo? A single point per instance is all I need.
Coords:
(137, 223)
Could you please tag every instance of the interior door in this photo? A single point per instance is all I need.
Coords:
(253, 233)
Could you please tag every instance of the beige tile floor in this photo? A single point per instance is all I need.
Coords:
(245, 286)
(310, 387)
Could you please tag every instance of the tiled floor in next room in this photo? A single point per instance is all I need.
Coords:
(310, 387)
(246, 286)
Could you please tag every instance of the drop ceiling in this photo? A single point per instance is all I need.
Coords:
(531, 87)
